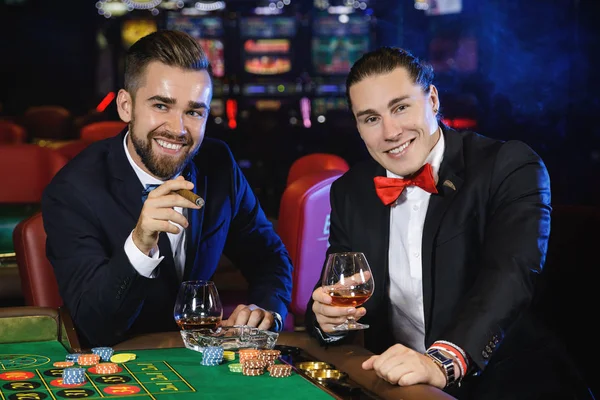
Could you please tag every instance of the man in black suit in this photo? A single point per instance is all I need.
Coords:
(455, 227)
(119, 251)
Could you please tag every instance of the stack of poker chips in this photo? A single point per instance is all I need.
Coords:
(73, 376)
(246, 354)
(88, 359)
(280, 370)
(236, 367)
(107, 368)
(105, 353)
(253, 367)
(212, 355)
(269, 356)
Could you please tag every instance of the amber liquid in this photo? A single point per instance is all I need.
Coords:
(199, 323)
(349, 297)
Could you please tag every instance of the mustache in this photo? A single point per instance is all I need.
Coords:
(177, 138)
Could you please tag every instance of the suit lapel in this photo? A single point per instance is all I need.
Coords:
(195, 218)
(124, 184)
(449, 184)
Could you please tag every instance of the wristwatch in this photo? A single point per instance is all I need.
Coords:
(445, 363)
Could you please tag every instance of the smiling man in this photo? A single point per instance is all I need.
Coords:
(121, 240)
(455, 228)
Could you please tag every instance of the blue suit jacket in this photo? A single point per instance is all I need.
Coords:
(93, 204)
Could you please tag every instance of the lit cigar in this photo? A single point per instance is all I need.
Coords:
(191, 196)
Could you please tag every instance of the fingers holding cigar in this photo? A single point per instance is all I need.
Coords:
(191, 196)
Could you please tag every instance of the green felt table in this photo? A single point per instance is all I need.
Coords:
(27, 372)
(10, 216)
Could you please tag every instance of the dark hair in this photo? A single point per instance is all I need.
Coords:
(173, 48)
(383, 61)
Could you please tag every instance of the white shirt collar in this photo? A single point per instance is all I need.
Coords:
(434, 158)
(144, 177)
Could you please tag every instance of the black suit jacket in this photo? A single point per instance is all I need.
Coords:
(484, 242)
(92, 205)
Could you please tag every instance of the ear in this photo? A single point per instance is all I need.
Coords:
(125, 105)
(434, 99)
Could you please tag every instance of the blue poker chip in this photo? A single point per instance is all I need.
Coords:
(105, 353)
(72, 357)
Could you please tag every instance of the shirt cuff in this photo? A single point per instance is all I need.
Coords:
(143, 264)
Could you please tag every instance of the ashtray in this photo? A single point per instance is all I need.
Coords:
(230, 338)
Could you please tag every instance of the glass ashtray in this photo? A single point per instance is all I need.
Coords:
(230, 338)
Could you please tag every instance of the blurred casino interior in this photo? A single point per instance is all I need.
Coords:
(509, 69)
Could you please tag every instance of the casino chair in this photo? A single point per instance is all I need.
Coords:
(101, 130)
(38, 282)
(304, 229)
(47, 122)
(566, 290)
(315, 162)
(71, 149)
(12, 133)
(25, 170)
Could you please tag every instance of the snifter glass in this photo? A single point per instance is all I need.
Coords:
(347, 278)
(198, 306)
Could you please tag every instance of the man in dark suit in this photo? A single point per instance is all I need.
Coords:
(119, 250)
(455, 228)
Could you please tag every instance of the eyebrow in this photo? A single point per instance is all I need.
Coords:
(391, 103)
(171, 101)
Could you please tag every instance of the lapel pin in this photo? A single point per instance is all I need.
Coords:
(449, 184)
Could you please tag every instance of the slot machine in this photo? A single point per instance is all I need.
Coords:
(208, 28)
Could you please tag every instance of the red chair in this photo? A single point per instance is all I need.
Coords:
(47, 122)
(11, 133)
(101, 130)
(38, 282)
(304, 229)
(25, 170)
(315, 162)
(71, 149)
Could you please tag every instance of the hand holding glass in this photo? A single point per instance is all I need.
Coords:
(198, 306)
(348, 280)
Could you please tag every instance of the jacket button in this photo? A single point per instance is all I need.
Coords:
(485, 355)
(488, 349)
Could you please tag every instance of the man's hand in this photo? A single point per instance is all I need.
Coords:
(402, 366)
(158, 214)
(250, 315)
(329, 316)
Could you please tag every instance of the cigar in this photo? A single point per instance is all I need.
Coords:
(191, 196)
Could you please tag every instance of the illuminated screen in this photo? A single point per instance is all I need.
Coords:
(198, 27)
(267, 27)
(134, 29)
(335, 55)
(214, 51)
(263, 46)
(331, 26)
(448, 55)
(267, 65)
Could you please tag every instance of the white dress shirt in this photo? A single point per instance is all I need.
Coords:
(145, 265)
(407, 218)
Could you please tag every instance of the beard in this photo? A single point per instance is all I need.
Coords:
(162, 166)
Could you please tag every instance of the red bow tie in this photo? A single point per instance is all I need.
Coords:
(389, 189)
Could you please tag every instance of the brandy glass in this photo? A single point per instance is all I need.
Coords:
(198, 306)
(347, 278)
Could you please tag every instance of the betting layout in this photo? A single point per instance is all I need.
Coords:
(44, 370)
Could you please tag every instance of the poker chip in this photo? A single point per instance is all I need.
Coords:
(254, 363)
(88, 359)
(237, 367)
(122, 358)
(246, 354)
(280, 370)
(269, 356)
(252, 371)
(105, 353)
(212, 355)
(229, 355)
(73, 376)
(72, 357)
(63, 364)
(107, 368)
